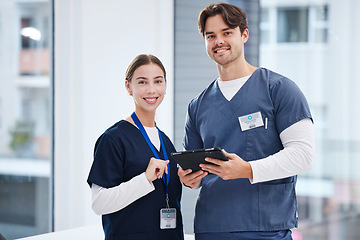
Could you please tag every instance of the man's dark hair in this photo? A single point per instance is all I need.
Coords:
(233, 16)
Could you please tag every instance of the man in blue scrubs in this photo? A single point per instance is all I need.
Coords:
(263, 122)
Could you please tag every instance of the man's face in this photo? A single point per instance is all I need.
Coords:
(223, 44)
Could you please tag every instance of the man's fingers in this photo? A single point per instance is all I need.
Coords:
(183, 172)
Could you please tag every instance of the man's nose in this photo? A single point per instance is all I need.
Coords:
(219, 41)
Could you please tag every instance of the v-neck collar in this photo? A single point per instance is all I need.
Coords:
(139, 132)
(229, 107)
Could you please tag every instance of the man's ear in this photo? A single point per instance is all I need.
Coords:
(245, 35)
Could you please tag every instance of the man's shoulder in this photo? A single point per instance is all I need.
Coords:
(271, 76)
(276, 81)
(203, 93)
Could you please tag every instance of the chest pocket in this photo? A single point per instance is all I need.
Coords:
(263, 141)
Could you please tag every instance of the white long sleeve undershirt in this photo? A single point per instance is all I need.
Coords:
(109, 200)
(296, 157)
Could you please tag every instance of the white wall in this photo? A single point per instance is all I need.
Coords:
(94, 43)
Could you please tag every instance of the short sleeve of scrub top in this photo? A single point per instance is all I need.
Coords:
(287, 98)
(105, 171)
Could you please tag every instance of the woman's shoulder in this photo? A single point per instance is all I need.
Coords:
(118, 129)
(118, 134)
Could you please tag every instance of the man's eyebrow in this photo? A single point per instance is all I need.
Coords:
(227, 29)
(223, 30)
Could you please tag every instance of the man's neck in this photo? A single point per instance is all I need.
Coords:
(235, 70)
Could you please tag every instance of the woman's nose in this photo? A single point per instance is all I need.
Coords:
(151, 88)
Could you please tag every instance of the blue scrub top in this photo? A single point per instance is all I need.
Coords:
(120, 154)
(213, 121)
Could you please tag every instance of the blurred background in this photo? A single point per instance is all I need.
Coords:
(62, 66)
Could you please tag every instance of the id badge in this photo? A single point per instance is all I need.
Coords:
(251, 121)
(167, 218)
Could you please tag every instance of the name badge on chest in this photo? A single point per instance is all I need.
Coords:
(167, 218)
(251, 121)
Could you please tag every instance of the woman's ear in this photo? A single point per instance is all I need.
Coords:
(127, 86)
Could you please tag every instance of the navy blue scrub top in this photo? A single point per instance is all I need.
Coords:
(120, 154)
(213, 121)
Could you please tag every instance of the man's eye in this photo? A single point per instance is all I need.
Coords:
(210, 36)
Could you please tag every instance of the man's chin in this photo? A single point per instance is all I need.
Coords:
(222, 62)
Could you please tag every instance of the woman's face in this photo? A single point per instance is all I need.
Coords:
(147, 86)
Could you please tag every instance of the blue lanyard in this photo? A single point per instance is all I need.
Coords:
(166, 177)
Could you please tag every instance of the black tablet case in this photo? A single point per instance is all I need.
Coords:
(192, 158)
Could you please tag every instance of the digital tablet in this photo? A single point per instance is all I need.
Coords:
(192, 158)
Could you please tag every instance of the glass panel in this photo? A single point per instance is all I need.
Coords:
(293, 25)
(264, 25)
(321, 35)
(265, 15)
(329, 194)
(321, 24)
(265, 36)
(25, 119)
(322, 13)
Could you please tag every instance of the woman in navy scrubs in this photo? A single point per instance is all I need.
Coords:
(134, 181)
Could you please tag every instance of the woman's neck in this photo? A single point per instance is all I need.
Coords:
(147, 119)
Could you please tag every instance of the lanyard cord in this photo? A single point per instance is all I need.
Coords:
(166, 177)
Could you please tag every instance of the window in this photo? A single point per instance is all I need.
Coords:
(292, 25)
(302, 24)
(319, 25)
(34, 37)
(264, 25)
(25, 159)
